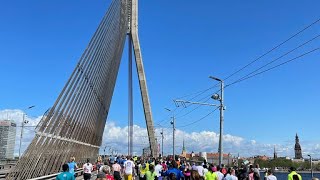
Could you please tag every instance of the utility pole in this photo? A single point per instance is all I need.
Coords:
(173, 139)
(183, 103)
(162, 142)
(104, 152)
(173, 131)
(22, 126)
(311, 166)
(222, 108)
(21, 133)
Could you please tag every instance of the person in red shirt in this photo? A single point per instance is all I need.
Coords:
(105, 174)
(164, 166)
(109, 176)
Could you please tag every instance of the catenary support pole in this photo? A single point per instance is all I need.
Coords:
(21, 134)
(162, 142)
(221, 125)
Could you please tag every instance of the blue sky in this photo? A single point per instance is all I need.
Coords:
(183, 42)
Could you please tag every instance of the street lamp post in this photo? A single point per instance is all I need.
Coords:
(22, 126)
(311, 165)
(104, 151)
(173, 132)
(173, 139)
(216, 97)
(162, 142)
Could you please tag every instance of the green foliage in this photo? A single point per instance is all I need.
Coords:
(285, 163)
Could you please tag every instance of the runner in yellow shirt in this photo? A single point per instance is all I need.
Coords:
(210, 175)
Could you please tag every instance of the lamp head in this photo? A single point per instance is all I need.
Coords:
(215, 97)
(167, 109)
(171, 122)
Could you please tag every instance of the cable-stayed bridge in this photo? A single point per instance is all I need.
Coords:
(74, 125)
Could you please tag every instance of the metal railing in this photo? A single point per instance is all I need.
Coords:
(53, 176)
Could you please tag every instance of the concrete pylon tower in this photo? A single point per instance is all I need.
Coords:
(133, 39)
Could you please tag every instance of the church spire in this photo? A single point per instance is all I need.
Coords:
(297, 149)
(184, 151)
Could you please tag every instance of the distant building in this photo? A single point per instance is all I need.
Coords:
(297, 149)
(146, 152)
(227, 159)
(275, 156)
(7, 139)
(184, 151)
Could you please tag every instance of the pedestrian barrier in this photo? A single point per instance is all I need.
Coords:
(79, 172)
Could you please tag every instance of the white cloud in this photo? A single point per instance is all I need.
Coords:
(205, 141)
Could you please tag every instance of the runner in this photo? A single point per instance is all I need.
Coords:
(87, 169)
(228, 175)
(211, 175)
(174, 169)
(200, 170)
(270, 175)
(143, 169)
(233, 174)
(102, 173)
(65, 175)
(105, 164)
(187, 173)
(128, 169)
(158, 170)
(219, 174)
(109, 175)
(195, 175)
(164, 166)
(72, 166)
(116, 168)
(150, 174)
(292, 172)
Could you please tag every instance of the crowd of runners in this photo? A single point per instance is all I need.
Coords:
(135, 168)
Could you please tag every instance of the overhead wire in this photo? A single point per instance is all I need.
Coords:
(258, 58)
(273, 67)
(198, 119)
(285, 54)
(199, 93)
(274, 48)
(192, 110)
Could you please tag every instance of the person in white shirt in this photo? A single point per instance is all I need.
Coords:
(105, 164)
(230, 175)
(220, 175)
(270, 175)
(87, 170)
(200, 170)
(205, 170)
(158, 169)
(233, 175)
(128, 169)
